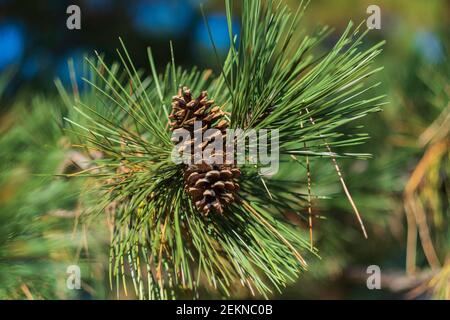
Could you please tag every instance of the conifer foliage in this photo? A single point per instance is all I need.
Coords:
(164, 235)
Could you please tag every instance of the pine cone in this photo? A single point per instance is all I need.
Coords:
(211, 186)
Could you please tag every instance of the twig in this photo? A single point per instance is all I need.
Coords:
(415, 211)
(344, 186)
(26, 291)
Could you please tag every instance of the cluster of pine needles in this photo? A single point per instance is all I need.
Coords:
(269, 80)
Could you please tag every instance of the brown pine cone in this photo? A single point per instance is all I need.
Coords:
(211, 186)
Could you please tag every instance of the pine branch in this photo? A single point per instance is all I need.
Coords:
(269, 81)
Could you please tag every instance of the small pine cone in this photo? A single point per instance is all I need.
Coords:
(210, 186)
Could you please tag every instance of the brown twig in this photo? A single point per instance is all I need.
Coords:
(415, 213)
(341, 178)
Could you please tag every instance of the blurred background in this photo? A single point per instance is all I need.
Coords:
(403, 192)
